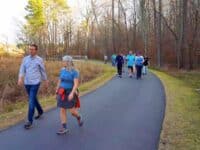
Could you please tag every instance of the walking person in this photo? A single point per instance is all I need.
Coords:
(105, 59)
(120, 62)
(139, 60)
(32, 72)
(66, 93)
(130, 63)
(113, 59)
(145, 65)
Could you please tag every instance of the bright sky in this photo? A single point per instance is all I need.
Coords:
(12, 13)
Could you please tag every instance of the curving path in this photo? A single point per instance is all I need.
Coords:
(124, 114)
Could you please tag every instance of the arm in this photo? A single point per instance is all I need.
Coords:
(71, 95)
(43, 71)
(58, 84)
(21, 73)
(75, 87)
(76, 83)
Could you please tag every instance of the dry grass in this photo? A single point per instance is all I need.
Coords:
(181, 127)
(10, 92)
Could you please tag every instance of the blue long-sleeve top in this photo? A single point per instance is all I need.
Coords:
(33, 70)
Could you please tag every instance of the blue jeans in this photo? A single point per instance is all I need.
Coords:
(32, 91)
(139, 71)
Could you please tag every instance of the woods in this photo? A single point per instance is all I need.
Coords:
(165, 30)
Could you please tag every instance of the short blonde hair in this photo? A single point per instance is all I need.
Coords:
(69, 59)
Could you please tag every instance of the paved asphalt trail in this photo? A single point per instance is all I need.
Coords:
(124, 114)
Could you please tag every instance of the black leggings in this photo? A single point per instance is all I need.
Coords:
(139, 71)
(119, 69)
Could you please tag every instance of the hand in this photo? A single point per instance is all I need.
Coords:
(70, 97)
(46, 82)
(56, 90)
(20, 82)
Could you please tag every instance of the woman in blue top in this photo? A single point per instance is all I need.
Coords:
(66, 90)
(131, 63)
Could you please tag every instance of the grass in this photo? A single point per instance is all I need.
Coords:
(92, 74)
(181, 127)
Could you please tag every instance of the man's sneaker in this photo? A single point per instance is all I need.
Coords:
(80, 121)
(38, 116)
(28, 125)
(62, 131)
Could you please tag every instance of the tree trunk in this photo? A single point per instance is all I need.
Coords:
(113, 26)
(159, 63)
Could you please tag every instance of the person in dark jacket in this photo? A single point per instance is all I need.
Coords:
(145, 65)
(120, 62)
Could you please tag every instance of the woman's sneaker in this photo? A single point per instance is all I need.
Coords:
(62, 131)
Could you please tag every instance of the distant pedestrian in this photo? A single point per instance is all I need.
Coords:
(32, 72)
(113, 60)
(131, 63)
(105, 59)
(145, 65)
(120, 62)
(139, 60)
(66, 93)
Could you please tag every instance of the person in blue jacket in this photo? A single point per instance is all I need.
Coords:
(130, 63)
(113, 60)
(139, 60)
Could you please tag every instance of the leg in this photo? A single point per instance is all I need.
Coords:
(146, 69)
(140, 71)
(129, 71)
(143, 70)
(134, 70)
(137, 72)
(28, 125)
(63, 116)
(31, 102)
(37, 104)
(120, 70)
(76, 114)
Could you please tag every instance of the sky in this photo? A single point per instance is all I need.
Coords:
(12, 13)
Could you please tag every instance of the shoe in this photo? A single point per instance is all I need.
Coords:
(38, 116)
(62, 131)
(80, 121)
(28, 125)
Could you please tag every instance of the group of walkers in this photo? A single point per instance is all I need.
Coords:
(32, 73)
(136, 63)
